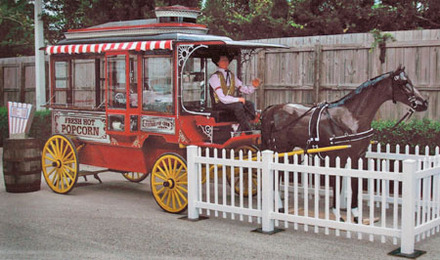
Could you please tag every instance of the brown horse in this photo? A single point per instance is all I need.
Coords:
(345, 121)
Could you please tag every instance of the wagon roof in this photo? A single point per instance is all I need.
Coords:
(149, 42)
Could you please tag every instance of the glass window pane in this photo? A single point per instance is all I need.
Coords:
(116, 82)
(83, 82)
(116, 122)
(133, 82)
(157, 84)
(193, 83)
(61, 74)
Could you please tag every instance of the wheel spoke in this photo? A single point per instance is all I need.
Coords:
(67, 173)
(162, 177)
(178, 198)
(181, 188)
(164, 194)
(183, 176)
(181, 196)
(175, 170)
(165, 170)
(70, 168)
(51, 172)
(51, 151)
(161, 189)
(173, 199)
(71, 155)
(70, 161)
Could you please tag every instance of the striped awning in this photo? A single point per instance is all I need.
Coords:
(105, 47)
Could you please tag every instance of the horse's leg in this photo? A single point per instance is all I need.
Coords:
(354, 192)
(336, 192)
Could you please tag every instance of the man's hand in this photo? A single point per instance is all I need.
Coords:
(242, 100)
(256, 82)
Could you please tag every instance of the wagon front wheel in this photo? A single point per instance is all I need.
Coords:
(169, 183)
(60, 164)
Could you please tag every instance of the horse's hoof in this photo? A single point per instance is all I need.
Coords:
(281, 210)
(356, 220)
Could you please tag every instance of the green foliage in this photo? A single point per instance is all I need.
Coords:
(16, 28)
(380, 38)
(417, 132)
(40, 128)
(4, 130)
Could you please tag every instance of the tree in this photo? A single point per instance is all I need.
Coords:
(62, 15)
(16, 28)
(248, 19)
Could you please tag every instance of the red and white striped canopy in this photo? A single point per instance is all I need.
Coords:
(105, 47)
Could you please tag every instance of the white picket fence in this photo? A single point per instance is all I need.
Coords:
(399, 193)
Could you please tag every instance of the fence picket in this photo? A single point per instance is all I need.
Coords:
(327, 194)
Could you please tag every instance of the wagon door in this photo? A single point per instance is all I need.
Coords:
(122, 96)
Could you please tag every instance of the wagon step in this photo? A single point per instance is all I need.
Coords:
(94, 173)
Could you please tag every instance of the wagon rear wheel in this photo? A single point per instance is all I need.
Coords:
(60, 163)
(169, 183)
(135, 176)
(245, 182)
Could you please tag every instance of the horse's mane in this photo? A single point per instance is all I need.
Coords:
(367, 84)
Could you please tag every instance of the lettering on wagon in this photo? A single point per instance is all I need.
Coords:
(156, 124)
(84, 127)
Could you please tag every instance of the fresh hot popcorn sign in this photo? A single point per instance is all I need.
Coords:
(82, 125)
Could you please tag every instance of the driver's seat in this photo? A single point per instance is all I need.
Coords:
(220, 115)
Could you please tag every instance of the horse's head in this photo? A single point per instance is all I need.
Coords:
(405, 92)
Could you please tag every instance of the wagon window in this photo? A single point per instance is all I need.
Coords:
(157, 92)
(84, 83)
(61, 82)
(194, 84)
(116, 79)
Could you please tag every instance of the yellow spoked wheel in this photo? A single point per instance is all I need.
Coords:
(135, 176)
(60, 165)
(169, 183)
(245, 179)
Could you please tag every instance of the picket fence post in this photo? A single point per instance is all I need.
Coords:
(193, 212)
(267, 182)
(408, 206)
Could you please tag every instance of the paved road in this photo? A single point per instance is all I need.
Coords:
(120, 220)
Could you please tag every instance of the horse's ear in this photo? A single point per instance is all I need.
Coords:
(399, 69)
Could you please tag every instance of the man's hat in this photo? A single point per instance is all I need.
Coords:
(216, 57)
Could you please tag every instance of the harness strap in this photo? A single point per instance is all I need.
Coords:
(348, 138)
(406, 116)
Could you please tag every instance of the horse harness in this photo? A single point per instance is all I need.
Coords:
(348, 137)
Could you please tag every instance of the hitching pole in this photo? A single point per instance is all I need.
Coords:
(40, 79)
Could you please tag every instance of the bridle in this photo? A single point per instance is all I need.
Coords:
(400, 81)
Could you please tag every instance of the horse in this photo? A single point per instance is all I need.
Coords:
(345, 121)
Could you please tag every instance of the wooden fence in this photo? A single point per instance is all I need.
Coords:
(311, 70)
(17, 80)
(325, 68)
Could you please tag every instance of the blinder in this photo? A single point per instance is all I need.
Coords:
(401, 82)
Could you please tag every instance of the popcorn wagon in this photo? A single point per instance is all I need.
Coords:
(130, 96)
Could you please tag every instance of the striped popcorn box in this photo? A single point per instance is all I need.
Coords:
(20, 117)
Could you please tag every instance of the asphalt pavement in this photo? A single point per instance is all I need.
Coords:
(120, 220)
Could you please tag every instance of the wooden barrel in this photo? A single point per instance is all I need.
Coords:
(22, 165)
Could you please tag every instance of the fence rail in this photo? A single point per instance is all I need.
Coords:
(398, 197)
